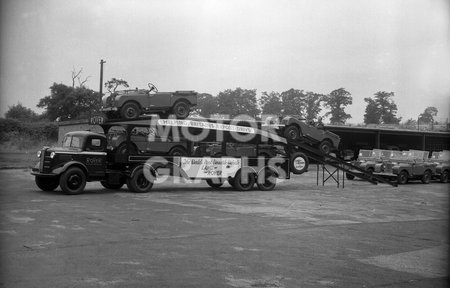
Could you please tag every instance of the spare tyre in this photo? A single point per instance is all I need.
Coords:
(299, 163)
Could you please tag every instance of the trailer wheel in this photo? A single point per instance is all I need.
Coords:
(426, 177)
(231, 181)
(292, 133)
(130, 110)
(299, 163)
(349, 176)
(215, 183)
(181, 110)
(444, 177)
(73, 181)
(402, 177)
(244, 182)
(47, 183)
(138, 182)
(267, 179)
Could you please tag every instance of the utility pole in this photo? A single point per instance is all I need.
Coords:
(101, 79)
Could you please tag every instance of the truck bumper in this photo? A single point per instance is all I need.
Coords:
(35, 172)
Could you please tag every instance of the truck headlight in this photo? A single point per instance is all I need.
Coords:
(39, 154)
(52, 155)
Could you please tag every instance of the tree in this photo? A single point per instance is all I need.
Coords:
(237, 102)
(427, 117)
(77, 75)
(114, 83)
(206, 105)
(271, 103)
(21, 113)
(372, 115)
(66, 102)
(293, 102)
(337, 100)
(387, 107)
(411, 122)
(312, 103)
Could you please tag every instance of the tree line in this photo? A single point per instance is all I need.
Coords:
(76, 102)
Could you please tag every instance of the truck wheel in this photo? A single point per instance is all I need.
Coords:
(292, 133)
(402, 177)
(215, 183)
(244, 183)
(73, 181)
(139, 183)
(177, 151)
(181, 110)
(426, 177)
(444, 177)
(130, 111)
(112, 186)
(267, 180)
(47, 183)
(299, 163)
(325, 147)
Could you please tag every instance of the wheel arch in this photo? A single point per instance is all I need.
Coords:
(131, 101)
(66, 166)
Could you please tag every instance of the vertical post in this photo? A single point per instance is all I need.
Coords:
(101, 80)
(377, 139)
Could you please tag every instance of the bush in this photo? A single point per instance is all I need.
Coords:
(18, 135)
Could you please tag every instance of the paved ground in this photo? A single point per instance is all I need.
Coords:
(187, 235)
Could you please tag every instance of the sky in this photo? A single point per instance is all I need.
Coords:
(400, 46)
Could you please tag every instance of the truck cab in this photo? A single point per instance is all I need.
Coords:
(81, 158)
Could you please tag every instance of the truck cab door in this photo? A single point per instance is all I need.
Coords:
(94, 156)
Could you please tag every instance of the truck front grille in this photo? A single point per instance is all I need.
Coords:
(44, 165)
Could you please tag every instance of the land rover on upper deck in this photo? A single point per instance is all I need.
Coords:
(130, 104)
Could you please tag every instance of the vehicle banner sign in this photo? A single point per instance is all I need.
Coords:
(206, 125)
(208, 167)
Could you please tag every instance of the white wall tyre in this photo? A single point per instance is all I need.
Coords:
(299, 163)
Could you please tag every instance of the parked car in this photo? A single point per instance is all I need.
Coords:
(442, 161)
(296, 129)
(146, 141)
(414, 167)
(130, 104)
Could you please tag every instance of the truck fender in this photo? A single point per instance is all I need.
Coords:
(69, 164)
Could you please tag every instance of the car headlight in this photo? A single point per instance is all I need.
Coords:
(39, 154)
(52, 155)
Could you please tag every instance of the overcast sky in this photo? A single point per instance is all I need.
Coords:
(400, 46)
